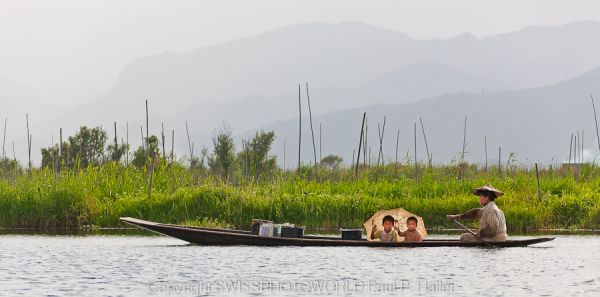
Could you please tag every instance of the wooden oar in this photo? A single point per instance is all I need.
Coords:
(470, 231)
(464, 227)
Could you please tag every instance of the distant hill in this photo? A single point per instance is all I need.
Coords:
(403, 85)
(343, 56)
(251, 82)
(535, 124)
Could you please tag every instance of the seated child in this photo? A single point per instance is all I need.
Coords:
(411, 234)
(387, 234)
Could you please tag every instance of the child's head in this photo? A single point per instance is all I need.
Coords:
(411, 223)
(388, 223)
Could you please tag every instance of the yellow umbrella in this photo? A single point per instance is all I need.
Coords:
(400, 215)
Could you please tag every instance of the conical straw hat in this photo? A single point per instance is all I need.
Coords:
(488, 188)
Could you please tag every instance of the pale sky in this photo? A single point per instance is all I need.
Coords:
(73, 51)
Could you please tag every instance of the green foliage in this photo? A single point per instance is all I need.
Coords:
(101, 194)
(255, 159)
(88, 146)
(332, 161)
(117, 151)
(143, 154)
(222, 159)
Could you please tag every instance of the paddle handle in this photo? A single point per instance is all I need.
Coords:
(463, 226)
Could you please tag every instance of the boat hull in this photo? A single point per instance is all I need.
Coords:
(210, 236)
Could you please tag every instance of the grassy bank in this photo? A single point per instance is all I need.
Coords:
(98, 196)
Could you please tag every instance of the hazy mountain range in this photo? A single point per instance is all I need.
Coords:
(534, 124)
(351, 68)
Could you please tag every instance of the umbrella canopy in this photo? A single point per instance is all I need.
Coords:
(400, 215)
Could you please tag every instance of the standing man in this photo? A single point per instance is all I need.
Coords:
(492, 224)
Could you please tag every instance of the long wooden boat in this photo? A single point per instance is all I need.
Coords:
(212, 236)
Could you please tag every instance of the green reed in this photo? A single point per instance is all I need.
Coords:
(98, 196)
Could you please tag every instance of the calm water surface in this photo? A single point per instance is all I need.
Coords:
(117, 265)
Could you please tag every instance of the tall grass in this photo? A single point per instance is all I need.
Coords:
(98, 196)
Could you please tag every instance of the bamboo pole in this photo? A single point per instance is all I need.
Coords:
(595, 121)
(163, 138)
(416, 163)
(577, 147)
(4, 139)
(360, 142)
(397, 141)
(462, 155)
(172, 145)
(29, 138)
(144, 144)
(246, 167)
(153, 161)
(381, 134)
(127, 141)
(321, 143)
(379, 150)
(426, 145)
(570, 149)
(499, 159)
(14, 153)
(486, 151)
(61, 149)
(147, 133)
(116, 141)
(581, 147)
(52, 153)
(284, 157)
(187, 131)
(537, 174)
(312, 132)
(366, 150)
(299, 127)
